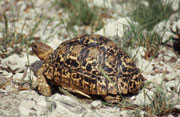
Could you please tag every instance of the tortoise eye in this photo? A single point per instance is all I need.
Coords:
(35, 46)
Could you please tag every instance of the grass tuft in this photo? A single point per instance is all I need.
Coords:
(161, 102)
(135, 36)
(80, 13)
(13, 41)
(151, 14)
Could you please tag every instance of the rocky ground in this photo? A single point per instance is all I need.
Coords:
(18, 94)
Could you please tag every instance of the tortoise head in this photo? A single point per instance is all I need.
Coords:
(41, 50)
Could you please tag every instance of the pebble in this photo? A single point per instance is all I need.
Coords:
(18, 77)
(96, 104)
(157, 78)
(177, 106)
(142, 99)
(114, 28)
(175, 4)
(102, 3)
(14, 62)
(12, 88)
(7, 74)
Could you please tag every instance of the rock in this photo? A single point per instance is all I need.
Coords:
(161, 27)
(16, 63)
(102, 3)
(54, 43)
(29, 78)
(12, 88)
(35, 66)
(171, 54)
(9, 102)
(7, 74)
(25, 108)
(143, 114)
(173, 85)
(110, 112)
(115, 28)
(65, 106)
(32, 104)
(126, 113)
(141, 63)
(142, 99)
(96, 104)
(167, 58)
(175, 3)
(177, 106)
(166, 36)
(170, 115)
(175, 25)
(31, 108)
(18, 77)
(155, 79)
(171, 75)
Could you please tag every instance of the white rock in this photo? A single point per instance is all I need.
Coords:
(143, 114)
(145, 3)
(171, 54)
(173, 85)
(175, 3)
(177, 106)
(14, 62)
(126, 113)
(54, 43)
(166, 36)
(64, 106)
(161, 27)
(33, 105)
(170, 115)
(102, 3)
(141, 63)
(29, 108)
(175, 25)
(17, 63)
(11, 88)
(167, 58)
(114, 28)
(158, 78)
(171, 75)
(30, 78)
(24, 108)
(96, 104)
(43, 102)
(111, 112)
(18, 77)
(142, 99)
(7, 74)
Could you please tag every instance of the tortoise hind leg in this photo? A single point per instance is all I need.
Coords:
(43, 86)
(112, 99)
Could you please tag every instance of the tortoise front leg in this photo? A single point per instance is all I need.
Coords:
(43, 86)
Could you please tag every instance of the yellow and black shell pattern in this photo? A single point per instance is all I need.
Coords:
(93, 64)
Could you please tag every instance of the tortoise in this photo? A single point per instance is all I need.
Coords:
(90, 64)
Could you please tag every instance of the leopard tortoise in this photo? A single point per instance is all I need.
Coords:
(91, 64)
